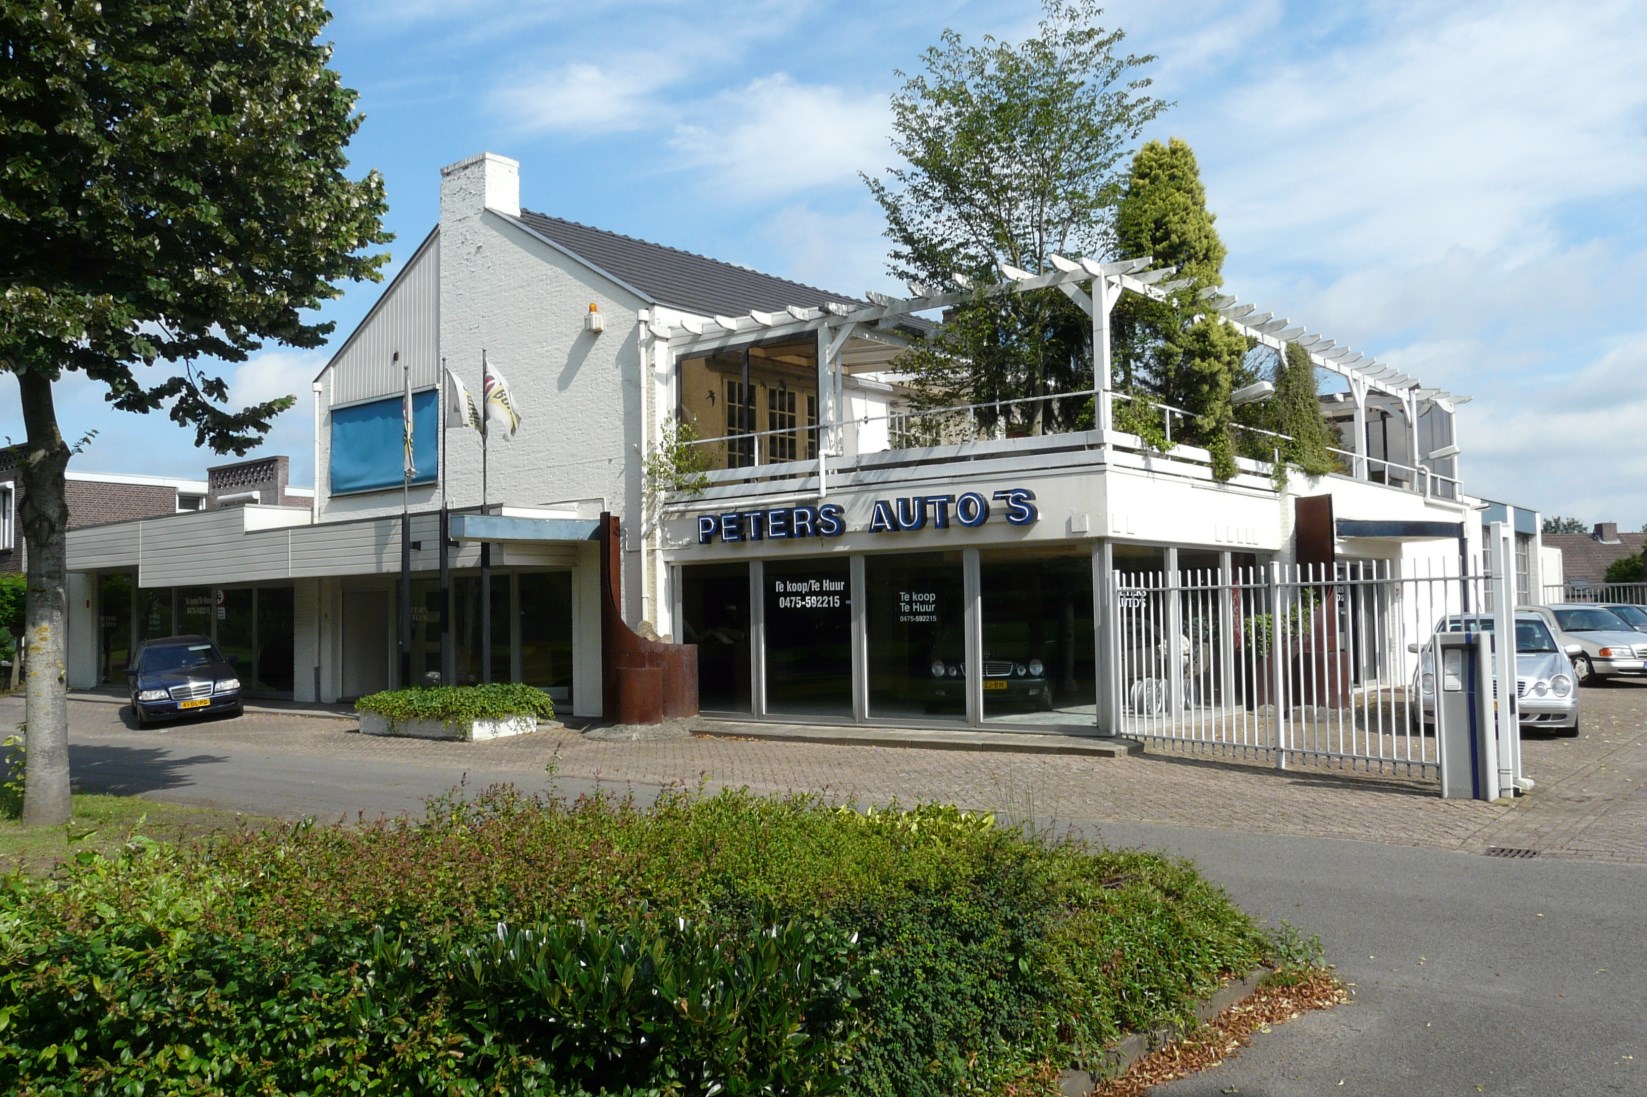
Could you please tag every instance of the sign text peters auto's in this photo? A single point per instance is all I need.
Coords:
(969, 509)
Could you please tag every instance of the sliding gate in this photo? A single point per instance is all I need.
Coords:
(1311, 666)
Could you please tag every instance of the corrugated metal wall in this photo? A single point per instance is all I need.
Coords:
(406, 319)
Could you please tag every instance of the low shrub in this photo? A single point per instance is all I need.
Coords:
(508, 943)
(458, 705)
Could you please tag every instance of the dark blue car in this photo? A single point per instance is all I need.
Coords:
(181, 676)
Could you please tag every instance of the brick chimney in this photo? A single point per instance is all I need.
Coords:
(261, 481)
(1606, 533)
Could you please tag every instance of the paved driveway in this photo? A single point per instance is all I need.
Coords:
(1590, 801)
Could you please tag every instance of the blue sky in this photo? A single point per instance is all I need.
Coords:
(1458, 189)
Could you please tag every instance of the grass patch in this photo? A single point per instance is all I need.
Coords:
(104, 824)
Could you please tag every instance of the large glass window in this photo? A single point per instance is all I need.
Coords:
(545, 599)
(466, 629)
(917, 635)
(154, 612)
(1038, 664)
(114, 626)
(780, 416)
(808, 637)
(237, 632)
(425, 630)
(740, 424)
(194, 610)
(715, 616)
(274, 641)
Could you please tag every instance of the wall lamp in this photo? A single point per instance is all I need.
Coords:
(1251, 394)
(1442, 454)
(593, 323)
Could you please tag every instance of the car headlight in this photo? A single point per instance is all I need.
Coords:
(1540, 688)
(1019, 670)
(1561, 685)
(937, 668)
(954, 670)
(1036, 668)
(152, 695)
(224, 685)
(1426, 684)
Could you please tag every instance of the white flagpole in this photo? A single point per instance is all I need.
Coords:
(485, 546)
(405, 630)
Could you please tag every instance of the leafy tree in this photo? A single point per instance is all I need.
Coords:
(1176, 351)
(1011, 154)
(1555, 523)
(1294, 411)
(1627, 569)
(174, 189)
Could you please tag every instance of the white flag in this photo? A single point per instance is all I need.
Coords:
(408, 465)
(500, 408)
(460, 406)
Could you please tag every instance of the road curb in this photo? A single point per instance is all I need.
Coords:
(1120, 1057)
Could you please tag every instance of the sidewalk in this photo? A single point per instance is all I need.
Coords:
(1590, 801)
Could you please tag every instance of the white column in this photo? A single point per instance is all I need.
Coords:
(1358, 389)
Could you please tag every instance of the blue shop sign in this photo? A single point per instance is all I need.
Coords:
(968, 510)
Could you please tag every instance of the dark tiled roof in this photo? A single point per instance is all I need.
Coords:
(1585, 558)
(686, 281)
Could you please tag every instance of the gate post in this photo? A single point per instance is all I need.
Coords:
(1278, 660)
(1507, 718)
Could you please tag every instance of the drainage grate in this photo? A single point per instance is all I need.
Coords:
(1511, 851)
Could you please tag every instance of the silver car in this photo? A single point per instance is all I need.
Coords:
(1546, 695)
(1608, 647)
(1633, 615)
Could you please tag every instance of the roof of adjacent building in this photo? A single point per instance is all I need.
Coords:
(1585, 559)
(681, 279)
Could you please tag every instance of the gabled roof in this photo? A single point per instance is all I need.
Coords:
(1585, 558)
(680, 279)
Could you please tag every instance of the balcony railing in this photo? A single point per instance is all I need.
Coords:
(920, 436)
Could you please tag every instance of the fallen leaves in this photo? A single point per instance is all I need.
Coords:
(1225, 1035)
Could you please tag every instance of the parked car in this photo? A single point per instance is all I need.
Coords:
(1546, 694)
(1633, 615)
(181, 676)
(1609, 647)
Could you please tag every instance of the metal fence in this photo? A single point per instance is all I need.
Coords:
(1634, 594)
(1289, 666)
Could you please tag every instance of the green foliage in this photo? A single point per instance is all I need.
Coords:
(14, 592)
(1295, 412)
(11, 774)
(517, 944)
(1626, 569)
(1555, 523)
(1010, 153)
(1174, 350)
(678, 464)
(458, 705)
(1143, 417)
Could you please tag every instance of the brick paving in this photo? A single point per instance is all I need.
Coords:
(1590, 801)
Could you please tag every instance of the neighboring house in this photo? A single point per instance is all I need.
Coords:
(846, 554)
(94, 498)
(1585, 557)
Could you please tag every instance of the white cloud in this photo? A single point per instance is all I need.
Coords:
(584, 99)
(841, 252)
(774, 136)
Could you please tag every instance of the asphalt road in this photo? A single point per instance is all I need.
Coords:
(1471, 974)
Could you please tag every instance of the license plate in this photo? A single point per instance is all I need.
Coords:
(990, 683)
(198, 702)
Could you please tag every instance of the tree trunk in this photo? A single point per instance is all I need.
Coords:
(44, 516)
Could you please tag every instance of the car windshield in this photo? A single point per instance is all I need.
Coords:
(1589, 620)
(1634, 615)
(1532, 636)
(177, 657)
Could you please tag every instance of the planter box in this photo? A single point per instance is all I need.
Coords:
(373, 723)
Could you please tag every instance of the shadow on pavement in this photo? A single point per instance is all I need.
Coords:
(132, 770)
(1301, 774)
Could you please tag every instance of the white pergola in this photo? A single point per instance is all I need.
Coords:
(1092, 285)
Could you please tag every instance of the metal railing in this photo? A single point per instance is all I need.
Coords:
(1634, 594)
(1284, 665)
(796, 452)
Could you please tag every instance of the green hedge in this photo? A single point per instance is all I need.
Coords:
(458, 705)
(513, 944)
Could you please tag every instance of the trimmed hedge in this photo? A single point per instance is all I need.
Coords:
(515, 944)
(458, 705)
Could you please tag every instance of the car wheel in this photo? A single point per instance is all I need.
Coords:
(1584, 671)
(1572, 732)
(137, 716)
(1045, 700)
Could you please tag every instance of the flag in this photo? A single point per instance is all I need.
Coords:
(406, 427)
(460, 406)
(500, 408)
